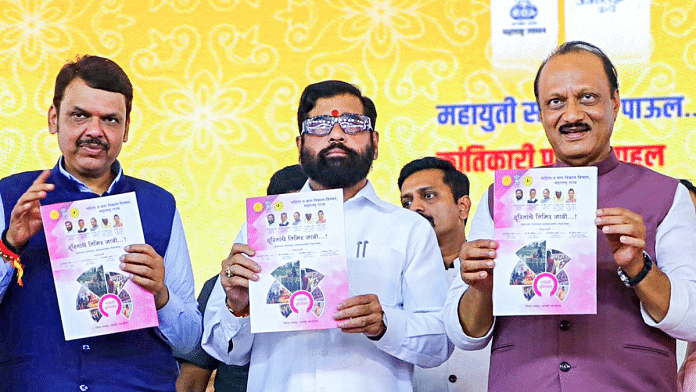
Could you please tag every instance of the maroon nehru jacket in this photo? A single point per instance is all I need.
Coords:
(613, 350)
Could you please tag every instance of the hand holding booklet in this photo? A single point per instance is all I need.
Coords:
(85, 240)
(299, 239)
(547, 241)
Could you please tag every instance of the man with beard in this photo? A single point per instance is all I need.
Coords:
(90, 116)
(439, 192)
(646, 257)
(518, 196)
(391, 322)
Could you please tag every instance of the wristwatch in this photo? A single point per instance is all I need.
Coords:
(638, 278)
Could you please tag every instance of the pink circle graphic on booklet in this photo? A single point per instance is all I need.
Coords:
(541, 272)
(296, 290)
(103, 294)
(110, 305)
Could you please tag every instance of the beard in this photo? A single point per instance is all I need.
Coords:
(337, 172)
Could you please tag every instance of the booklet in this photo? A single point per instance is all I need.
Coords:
(85, 239)
(547, 241)
(299, 240)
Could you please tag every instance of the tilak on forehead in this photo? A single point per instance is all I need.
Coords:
(334, 113)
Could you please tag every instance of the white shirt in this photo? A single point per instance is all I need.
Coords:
(675, 257)
(402, 265)
(464, 371)
(179, 319)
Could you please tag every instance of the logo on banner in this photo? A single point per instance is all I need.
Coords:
(604, 6)
(525, 10)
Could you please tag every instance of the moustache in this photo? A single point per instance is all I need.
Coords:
(428, 218)
(93, 141)
(351, 153)
(575, 127)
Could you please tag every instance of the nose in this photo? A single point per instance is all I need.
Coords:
(416, 205)
(574, 112)
(337, 134)
(95, 126)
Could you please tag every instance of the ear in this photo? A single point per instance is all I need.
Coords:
(375, 142)
(616, 103)
(464, 206)
(52, 120)
(298, 142)
(125, 132)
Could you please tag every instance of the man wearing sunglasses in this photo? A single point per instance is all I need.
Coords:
(392, 321)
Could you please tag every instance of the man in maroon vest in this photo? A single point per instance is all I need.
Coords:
(646, 229)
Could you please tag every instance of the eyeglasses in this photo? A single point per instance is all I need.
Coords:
(350, 123)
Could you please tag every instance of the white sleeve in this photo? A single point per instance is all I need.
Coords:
(675, 248)
(226, 337)
(415, 332)
(180, 320)
(481, 228)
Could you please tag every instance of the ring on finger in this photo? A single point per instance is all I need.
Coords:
(228, 272)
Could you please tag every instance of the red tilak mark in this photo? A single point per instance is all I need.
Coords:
(334, 113)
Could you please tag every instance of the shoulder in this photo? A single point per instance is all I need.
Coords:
(12, 187)
(20, 178)
(139, 184)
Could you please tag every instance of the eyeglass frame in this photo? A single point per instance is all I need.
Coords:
(336, 120)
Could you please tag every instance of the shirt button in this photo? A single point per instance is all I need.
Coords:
(84, 388)
(452, 378)
(564, 325)
(86, 348)
(565, 366)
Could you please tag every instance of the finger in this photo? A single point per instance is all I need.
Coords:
(230, 284)
(482, 244)
(41, 179)
(625, 229)
(139, 259)
(356, 311)
(478, 253)
(359, 324)
(242, 249)
(477, 265)
(632, 241)
(242, 261)
(138, 269)
(239, 271)
(144, 249)
(144, 282)
(617, 211)
(474, 277)
(357, 300)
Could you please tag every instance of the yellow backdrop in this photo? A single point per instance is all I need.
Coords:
(217, 84)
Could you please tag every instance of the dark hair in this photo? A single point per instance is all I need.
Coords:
(97, 72)
(581, 46)
(688, 185)
(286, 180)
(457, 181)
(328, 89)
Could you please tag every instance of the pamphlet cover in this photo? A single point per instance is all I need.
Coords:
(547, 241)
(299, 240)
(85, 239)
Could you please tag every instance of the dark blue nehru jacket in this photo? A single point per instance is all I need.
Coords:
(34, 355)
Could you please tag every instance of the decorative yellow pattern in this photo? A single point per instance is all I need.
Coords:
(217, 84)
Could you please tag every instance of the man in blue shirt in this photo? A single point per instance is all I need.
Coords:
(90, 116)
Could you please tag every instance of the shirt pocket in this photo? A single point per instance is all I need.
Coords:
(379, 271)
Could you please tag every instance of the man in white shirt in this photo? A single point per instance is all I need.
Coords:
(439, 192)
(392, 319)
